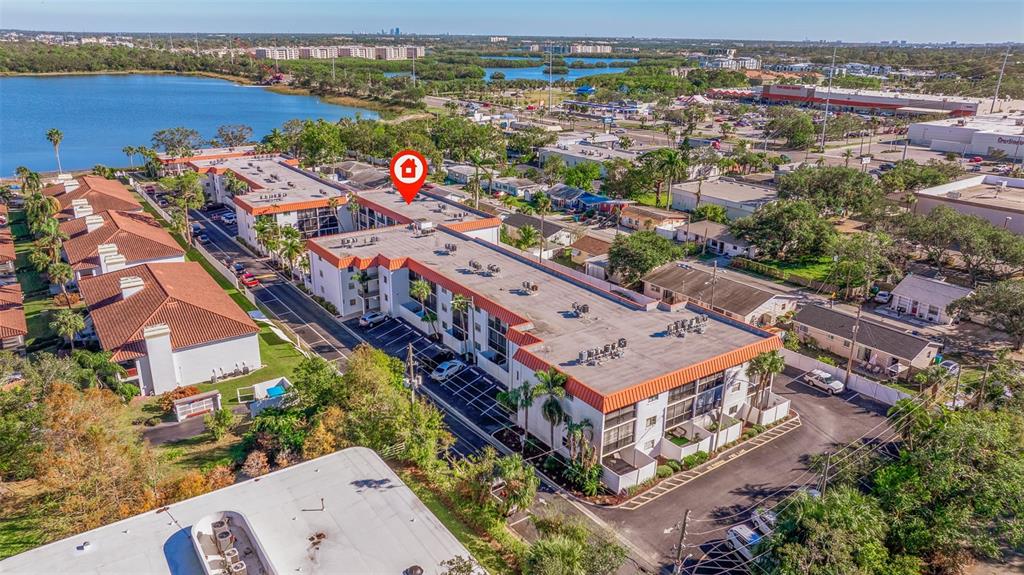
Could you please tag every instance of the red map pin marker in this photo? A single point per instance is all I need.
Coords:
(408, 173)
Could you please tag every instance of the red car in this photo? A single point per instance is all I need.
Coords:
(976, 160)
(249, 280)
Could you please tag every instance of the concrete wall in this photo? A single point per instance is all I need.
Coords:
(199, 364)
(860, 384)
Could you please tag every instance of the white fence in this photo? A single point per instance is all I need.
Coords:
(862, 385)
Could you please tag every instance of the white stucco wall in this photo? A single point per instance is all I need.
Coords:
(198, 364)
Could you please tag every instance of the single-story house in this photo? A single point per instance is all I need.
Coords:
(464, 173)
(7, 255)
(90, 194)
(639, 217)
(112, 240)
(170, 324)
(518, 187)
(716, 237)
(360, 173)
(587, 247)
(13, 328)
(678, 283)
(739, 199)
(881, 350)
(926, 298)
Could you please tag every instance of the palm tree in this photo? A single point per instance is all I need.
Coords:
(763, 368)
(188, 196)
(267, 233)
(291, 245)
(464, 306)
(61, 274)
(932, 378)
(420, 291)
(55, 137)
(528, 237)
(67, 323)
(51, 238)
(130, 151)
(520, 483)
(479, 159)
(521, 397)
(673, 167)
(578, 432)
(847, 156)
(542, 203)
(551, 386)
(30, 181)
(105, 371)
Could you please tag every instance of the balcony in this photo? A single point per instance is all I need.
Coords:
(130, 374)
(686, 439)
(777, 408)
(627, 468)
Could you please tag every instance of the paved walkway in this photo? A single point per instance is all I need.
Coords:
(680, 479)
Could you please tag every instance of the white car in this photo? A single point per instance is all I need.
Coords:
(764, 520)
(372, 318)
(447, 369)
(883, 297)
(824, 381)
(743, 540)
(950, 366)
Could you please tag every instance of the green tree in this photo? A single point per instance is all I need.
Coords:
(55, 137)
(187, 194)
(834, 190)
(582, 175)
(97, 369)
(933, 378)
(763, 368)
(1002, 303)
(553, 170)
(519, 483)
(631, 256)
(528, 236)
(268, 234)
(320, 143)
(179, 141)
(569, 546)
(291, 247)
(710, 212)
(862, 258)
(673, 167)
(551, 386)
(66, 323)
(219, 423)
(318, 385)
(130, 151)
(233, 135)
(519, 398)
(61, 274)
(420, 291)
(786, 229)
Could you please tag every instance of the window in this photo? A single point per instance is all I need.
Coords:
(384, 279)
(651, 422)
(321, 289)
(321, 273)
(385, 297)
(351, 285)
(351, 269)
(649, 445)
(653, 398)
(655, 289)
(680, 393)
(617, 438)
(733, 409)
(351, 302)
(620, 416)
(678, 413)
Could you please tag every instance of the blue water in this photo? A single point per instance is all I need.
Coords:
(99, 115)
(536, 73)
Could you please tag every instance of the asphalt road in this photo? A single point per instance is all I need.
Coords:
(768, 474)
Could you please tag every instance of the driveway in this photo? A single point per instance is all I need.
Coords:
(723, 497)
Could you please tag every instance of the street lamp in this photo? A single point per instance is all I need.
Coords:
(1006, 222)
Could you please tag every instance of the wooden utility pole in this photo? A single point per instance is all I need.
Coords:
(853, 348)
(956, 389)
(981, 393)
(824, 477)
(410, 366)
(681, 546)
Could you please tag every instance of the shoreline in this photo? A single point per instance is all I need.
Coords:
(384, 111)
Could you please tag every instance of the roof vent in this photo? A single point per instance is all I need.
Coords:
(93, 222)
(130, 285)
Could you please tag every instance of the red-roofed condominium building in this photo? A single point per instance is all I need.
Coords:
(170, 324)
(13, 328)
(85, 195)
(112, 240)
(654, 379)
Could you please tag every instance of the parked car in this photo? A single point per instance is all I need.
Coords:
(372, 318)
(950, 366)
(883, 297)
(886, 167)
(743, 540)
(239, 268)
(196, 228)
(228, 218)
(824, 381)
(249, 280)
(976, 160)
(447, 369)
(203, 238)
(436, 355)
(764, 520)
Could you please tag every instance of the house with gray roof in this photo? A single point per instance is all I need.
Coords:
(926, 298)
(679, 283)
(884, 350)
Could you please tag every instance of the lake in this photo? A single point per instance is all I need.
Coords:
(101, 114)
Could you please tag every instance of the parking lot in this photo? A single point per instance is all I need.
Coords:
(764, 476)
(471, 391)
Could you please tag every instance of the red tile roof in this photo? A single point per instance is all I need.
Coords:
(12, 312)
(102, 194)
(285, 206)
(137, 235)
(6, 245)
(473, 225)
(181, 295)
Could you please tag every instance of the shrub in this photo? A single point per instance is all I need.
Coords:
(750, 433)
(827, 360)
(155, 420)
(664, 471)
(220, 476)
(691, 461)
(71, 299)
(551, 464)
(256, 464)
(759, 428)
(167, 399)
(219, 423)
(675, 465)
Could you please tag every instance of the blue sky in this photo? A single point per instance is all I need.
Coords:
(847, 20)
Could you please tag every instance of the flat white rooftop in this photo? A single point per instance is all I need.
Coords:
(548, 312)
(588, 152)
(370, 520)
(729, 190)
(989, 191)
(273, 182)
(1002, 124)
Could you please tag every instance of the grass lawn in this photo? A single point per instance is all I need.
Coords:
(649, 198)
(481, 549)
(680, 441)
(816, 269)
(20, 519)
(38, 304)
(199, 453)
